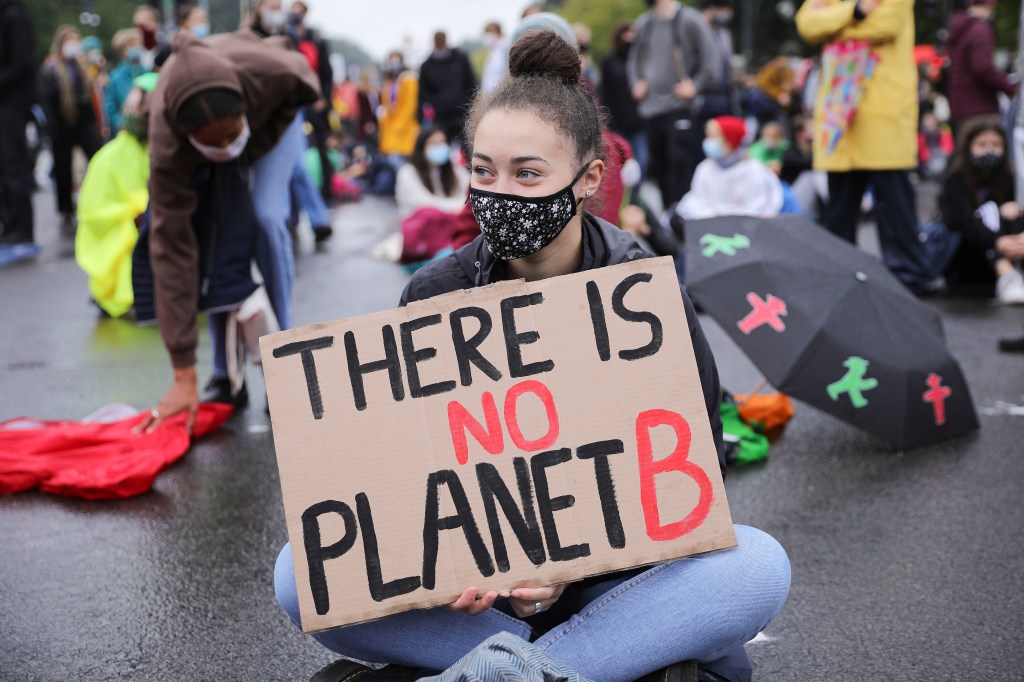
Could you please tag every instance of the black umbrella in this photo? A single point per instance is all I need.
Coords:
(828, 324)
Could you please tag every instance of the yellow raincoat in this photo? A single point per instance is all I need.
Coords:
(883, 135)
(398, 123)
(113, 194)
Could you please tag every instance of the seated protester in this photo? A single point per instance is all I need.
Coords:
(430, 179)
(536, 150)
(799, 155)
(771, 146)
(977, 201)
(934, 146)
(772, 95)
(728, 182)
(431, 192)
(770, 149)
(112, 198)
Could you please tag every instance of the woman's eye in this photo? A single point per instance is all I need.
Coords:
(527, 174)
(481, 172)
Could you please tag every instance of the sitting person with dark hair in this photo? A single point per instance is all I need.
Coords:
(222, 102)
(977, 202)
(430, 179)
(536, 148)
(431, 195)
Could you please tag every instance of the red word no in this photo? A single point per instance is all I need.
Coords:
(675, 461)
(490, 434)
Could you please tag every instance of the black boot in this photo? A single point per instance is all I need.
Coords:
(677, 672)
(218, 390)
(1012, 344)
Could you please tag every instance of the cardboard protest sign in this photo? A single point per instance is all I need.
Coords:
(521, 434)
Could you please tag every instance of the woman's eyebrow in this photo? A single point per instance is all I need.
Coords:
(515, 161)
(524, 159)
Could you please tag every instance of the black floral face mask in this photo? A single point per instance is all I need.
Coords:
(515, 227)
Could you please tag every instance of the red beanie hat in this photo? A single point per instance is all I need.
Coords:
(733, 130)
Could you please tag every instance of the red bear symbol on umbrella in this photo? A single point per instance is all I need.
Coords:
(764, 312)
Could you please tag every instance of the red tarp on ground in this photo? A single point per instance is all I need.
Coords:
(92, 460)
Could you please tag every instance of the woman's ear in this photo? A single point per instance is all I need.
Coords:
(591, 180)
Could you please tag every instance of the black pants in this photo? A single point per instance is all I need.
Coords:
(896, 211)
(16, 182)
(451, 123)
(672, 159)
(65, 138)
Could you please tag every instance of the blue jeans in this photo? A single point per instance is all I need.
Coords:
(271, 178)
(307, 195)
(695, 608)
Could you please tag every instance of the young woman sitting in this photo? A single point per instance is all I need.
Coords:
(977, 202)
(535, 148)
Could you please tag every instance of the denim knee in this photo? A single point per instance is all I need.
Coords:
(766, 571)
(284, 585)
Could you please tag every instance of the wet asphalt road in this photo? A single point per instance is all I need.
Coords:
(906, 565)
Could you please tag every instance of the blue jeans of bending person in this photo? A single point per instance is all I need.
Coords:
(695, 608)
(271, 179)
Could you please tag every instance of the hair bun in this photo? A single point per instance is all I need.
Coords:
(545, 53)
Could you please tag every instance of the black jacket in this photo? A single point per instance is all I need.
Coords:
(474, 265)
(17, 58)
(973, 261)
(447, 84)
(617, 96)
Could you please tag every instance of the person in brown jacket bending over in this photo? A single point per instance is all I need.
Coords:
(224, 104)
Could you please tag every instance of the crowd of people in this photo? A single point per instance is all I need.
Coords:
(204, 150)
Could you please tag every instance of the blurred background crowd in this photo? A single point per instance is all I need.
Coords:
(727, 80)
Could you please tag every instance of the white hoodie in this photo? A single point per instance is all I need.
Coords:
(746, 188)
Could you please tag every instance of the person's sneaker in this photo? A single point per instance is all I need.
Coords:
(13, 253)
(68, 224)
(1010, 288)
(322, 233)
(1012, 344)
(218, 390)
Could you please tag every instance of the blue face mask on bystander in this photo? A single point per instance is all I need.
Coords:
(438, 154)
(713, 149)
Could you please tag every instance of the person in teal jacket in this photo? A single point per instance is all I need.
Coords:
(128, 45)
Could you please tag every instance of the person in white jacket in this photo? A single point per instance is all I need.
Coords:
(430, 179)
(728, 182)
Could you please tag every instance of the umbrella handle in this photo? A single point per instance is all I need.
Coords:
(756, 388)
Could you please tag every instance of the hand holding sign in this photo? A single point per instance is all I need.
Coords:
(507, 438)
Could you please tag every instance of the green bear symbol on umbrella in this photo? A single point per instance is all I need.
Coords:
(853, 383)
(727, 246)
